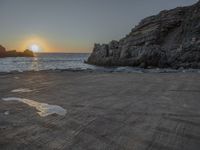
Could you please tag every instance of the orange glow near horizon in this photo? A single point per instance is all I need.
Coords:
(35, 42)
(40, 42)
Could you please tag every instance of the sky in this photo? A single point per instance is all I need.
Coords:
(73, 25)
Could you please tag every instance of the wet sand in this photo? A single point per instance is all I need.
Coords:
(105, 111)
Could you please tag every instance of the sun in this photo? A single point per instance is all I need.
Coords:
(35, 48)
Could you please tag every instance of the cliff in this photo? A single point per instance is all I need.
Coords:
(169, 39)
(14, 53)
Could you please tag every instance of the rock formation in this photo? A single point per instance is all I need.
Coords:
(169, 39)
(14, 53)
(2, 51)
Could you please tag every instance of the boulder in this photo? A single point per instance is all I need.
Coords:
(169, 39)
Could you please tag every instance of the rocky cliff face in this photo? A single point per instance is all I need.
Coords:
(14, 53)
(169, 39)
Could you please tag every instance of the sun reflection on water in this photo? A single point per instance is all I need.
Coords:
(35, 64)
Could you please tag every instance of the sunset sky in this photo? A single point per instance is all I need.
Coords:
(73, 25)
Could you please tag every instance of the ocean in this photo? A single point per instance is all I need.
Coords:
(45, 61)
(67, 61)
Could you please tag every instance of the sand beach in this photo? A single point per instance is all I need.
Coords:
(104, 111)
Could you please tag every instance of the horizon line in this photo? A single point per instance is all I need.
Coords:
(62, 52)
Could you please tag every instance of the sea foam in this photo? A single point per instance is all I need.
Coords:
(21, 90)
(43, 108)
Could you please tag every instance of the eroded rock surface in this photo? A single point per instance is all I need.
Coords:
(169, 39)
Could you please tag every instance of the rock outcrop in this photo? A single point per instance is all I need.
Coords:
(169, 39)
(2, 51)
(14, 53)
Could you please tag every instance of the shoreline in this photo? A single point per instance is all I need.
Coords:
(111, 70)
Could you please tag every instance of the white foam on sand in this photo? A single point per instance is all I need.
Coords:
(43, 108)
(21, 90)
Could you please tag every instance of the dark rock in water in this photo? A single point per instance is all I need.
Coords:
(169, 39)
(28, 53)
(14, 53)
(2, 51)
